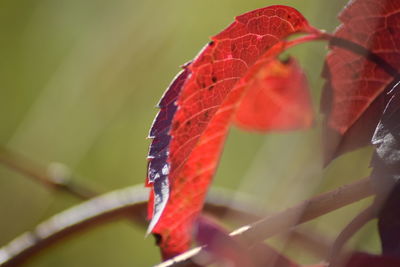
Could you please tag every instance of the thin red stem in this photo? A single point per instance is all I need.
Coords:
(305, 39)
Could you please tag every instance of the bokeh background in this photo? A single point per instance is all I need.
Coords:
(79, 84)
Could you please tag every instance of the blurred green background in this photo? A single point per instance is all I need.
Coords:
(79, 83)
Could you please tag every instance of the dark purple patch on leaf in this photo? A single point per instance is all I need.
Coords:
(159, 131)
(158, 168)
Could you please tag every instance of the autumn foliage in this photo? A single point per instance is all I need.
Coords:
(226, 79)
(239, 78)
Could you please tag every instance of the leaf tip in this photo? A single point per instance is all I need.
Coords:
(161, 195)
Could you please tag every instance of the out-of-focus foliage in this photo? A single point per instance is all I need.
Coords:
(79, 80)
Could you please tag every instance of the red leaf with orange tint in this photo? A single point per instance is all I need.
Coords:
(354, 95)
(196, 111)
(277, 98)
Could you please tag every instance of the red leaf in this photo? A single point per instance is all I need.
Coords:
(189, 131)
(354, 94)
(276, 99)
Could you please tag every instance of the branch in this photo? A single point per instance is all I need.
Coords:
(220, 204)
(59, 180)
(283, 221)
(105, 208)
(128, 203)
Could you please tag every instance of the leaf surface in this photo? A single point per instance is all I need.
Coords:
(196, 111)
(353, 97)
(277, 99)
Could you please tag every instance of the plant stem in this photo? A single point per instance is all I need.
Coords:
(306, 211)
(336, 257)
(305, 39)
(365, 52)
(114, 206)
(317, 35)
(27, 167)
(130, 203)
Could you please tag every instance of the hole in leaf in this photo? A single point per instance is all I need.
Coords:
(158, 238)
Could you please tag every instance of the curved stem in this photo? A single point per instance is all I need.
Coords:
(317, 35)
(131, 203)
(356, 224)
(362, 51)
(112, 206)
(128, 203)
